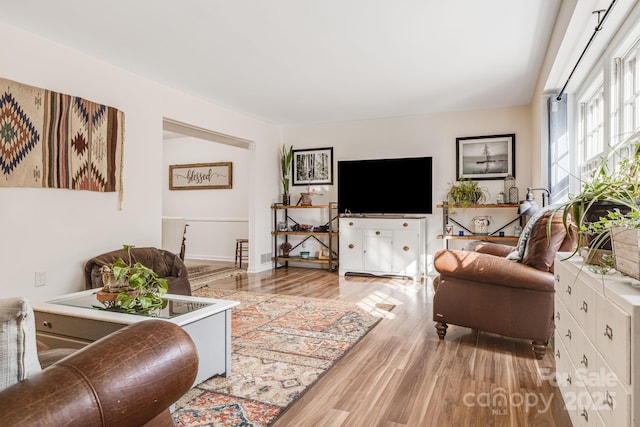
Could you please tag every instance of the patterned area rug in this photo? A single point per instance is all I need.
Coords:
(202, 275)
(281, 346)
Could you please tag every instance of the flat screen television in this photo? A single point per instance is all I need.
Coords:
(385, 186)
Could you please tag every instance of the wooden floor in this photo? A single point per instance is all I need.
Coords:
(401, 374)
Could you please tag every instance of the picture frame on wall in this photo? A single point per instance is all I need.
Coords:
(201, 176)
(313, 166)
(486, 157)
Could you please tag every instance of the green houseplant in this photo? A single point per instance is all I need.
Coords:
(609, 197)
(138, 288)
(286, 156)
(466, 193)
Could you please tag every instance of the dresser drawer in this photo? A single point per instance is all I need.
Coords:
(613, 337)
(564, 325)
(584, 308)
(583, 354)
(565, 284)
(611, 397)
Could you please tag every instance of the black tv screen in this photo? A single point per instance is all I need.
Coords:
(385, 186)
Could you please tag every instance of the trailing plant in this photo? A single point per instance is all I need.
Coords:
(141, 287)
(465, 193)
(615, 187)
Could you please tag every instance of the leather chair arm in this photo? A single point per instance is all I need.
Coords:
(496, 249)
(126, 379)
(480, 267)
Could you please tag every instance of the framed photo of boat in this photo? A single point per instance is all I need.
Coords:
(486, 157)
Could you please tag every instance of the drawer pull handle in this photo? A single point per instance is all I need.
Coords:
(585, 415)
(585, 361)
(585, 307)
(405, 248)
(608, 332)
(350, 223)
(377, 233)
(608, 399)
(557, 277)
(558, 315)
(405, 224)
(351, 246)
(558, 354)
(47, 324)
(568, 333)
(569, 379)
(569, 290)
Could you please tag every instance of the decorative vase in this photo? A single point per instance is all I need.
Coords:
(286, 199)
(305, 199)
(285, 253)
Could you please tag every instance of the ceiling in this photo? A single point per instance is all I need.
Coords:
(294, 62)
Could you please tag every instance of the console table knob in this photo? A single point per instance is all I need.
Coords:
(405, 248)
(377, 233)
(351, 246)
(47, 324)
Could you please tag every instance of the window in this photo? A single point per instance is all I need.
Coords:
(591, 127)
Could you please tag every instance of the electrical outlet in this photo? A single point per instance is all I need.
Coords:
(40, 278)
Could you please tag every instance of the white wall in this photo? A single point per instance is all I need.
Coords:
(426, 135)
(215, 218)
(55, 231)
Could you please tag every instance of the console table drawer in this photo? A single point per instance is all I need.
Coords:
(613, 337)
(74, 327)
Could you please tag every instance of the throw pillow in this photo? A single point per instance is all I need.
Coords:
(518, 252)
(19, 353)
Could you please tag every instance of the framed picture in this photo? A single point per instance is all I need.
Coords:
(200, 176)
(313, 166)
(486, 157)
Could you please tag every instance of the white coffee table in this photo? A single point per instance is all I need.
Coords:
(75, 320)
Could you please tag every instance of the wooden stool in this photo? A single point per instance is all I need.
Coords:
(242, 251)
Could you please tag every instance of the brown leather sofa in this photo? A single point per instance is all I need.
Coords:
(166, 264)
(128, 378)
(484, 290)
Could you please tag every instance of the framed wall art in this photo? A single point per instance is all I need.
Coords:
(201, 176)
(313, 166)
(486, 157)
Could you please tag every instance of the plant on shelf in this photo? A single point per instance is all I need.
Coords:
(286, 156)
(285, 247)
(138, 288)
(466, 193)
(609, 197)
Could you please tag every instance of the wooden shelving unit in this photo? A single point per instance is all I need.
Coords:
(326, 239)
(470, 235)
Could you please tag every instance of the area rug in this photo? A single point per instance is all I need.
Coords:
(203, 275)
(281, 345)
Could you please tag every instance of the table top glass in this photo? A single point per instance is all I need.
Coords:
(174, 307)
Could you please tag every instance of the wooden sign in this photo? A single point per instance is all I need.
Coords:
(200, 176)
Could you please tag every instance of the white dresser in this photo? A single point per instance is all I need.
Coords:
(597, 344)
(383, 246)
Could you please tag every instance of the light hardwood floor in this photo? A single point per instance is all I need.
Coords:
(401, 374)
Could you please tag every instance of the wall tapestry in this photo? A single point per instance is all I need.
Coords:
(52, 140)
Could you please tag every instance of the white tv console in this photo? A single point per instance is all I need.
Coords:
(383, 246)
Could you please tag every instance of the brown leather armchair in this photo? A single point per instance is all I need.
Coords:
(484, 290)
(128, 378)
(166, 264)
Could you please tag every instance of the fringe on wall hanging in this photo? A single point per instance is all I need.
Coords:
(52, 140)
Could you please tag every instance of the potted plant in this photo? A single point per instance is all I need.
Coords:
(466, 193)
(608, 198)
(137, 288)
(285, 247)
(286, 156)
